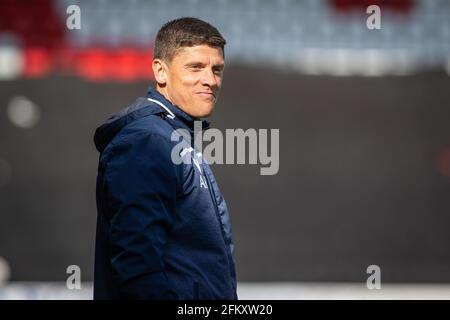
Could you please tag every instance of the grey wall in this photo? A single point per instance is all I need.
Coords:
(358, 181)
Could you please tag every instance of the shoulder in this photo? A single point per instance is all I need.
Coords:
(149, 132)
(143, 147)
(148, 126)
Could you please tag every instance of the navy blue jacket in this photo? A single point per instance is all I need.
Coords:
(163, 229)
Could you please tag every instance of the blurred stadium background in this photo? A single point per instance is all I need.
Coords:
(364, 140)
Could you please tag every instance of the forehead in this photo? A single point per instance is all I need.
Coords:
(202, 53)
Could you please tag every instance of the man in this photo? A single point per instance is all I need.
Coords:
(163, 229)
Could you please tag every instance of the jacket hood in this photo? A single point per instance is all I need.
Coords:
(140, 108)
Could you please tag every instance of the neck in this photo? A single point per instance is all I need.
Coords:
(163, 91)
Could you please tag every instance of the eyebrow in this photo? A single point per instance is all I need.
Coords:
(219, 65)
(195, 63)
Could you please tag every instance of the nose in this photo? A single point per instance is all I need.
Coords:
(209, 78)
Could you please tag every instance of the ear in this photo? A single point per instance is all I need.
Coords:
(160, 71)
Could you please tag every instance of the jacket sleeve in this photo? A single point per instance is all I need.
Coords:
(141, 184)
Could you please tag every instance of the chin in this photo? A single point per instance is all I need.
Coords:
(206, 111)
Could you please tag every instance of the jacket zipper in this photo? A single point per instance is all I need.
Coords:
(213, 198)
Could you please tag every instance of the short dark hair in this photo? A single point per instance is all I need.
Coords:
(185, 32)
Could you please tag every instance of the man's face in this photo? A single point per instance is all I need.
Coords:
(193, 78)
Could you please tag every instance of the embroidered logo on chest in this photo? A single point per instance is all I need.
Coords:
(196, 157)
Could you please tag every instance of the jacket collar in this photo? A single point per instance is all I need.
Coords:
(173, 111)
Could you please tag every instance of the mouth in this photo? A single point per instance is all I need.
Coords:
(206, 94)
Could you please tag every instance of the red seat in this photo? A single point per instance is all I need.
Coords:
(38, 61)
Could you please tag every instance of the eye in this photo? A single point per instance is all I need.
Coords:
(195, 67)
(218, 71)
